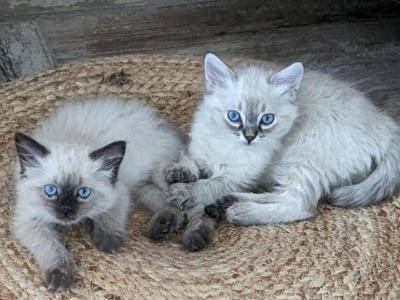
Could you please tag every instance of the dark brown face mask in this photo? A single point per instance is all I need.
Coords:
(66, 205)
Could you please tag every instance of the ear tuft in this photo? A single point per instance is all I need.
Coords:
(218, 74)
(111, 157)
(29, 151)
(289, 79)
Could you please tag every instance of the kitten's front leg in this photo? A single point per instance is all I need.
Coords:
(185, 171)
(191, 199)
(199, 231)
(251, 213)
(166, 218)
(181, 195)
(53, 259)
(202, 192)
(240, 210)
(218, 210)
(179, 173)
(297, 200)
(108, 233)
(164, 222)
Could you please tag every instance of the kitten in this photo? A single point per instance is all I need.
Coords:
(84, 162)
(301, 138)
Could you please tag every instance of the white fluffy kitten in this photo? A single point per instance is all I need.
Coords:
(302, 138)
(84, 162)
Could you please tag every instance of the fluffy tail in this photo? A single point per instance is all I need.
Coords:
(382, 183)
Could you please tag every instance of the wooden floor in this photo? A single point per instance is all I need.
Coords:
(357, 40)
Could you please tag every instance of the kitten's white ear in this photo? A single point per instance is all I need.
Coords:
(110, 157)
(29, 151)
(288, 79)
(217, 73)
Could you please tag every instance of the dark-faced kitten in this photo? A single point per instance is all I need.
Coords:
(84, 162)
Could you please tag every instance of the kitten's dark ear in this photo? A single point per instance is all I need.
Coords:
(29, 151)
(218, 74)
(288, 79)
(111, 157)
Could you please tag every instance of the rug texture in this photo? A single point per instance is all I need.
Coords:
(345, 254)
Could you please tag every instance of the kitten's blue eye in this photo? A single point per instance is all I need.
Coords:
(84, 192)
(267, 119)
(50, 190)
(233, 116)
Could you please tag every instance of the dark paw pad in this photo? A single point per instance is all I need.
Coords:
(217, 211)
(213, 211)
(196, 240)
(179, 174)
(107, 242)
(163, 224)
(59, 279)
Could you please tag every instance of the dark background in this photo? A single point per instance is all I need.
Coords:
(358, 40)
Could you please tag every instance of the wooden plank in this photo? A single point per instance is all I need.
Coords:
(78, 28)
(364, 53)
(100, 35)
(277, 30)
(22, 51)
(323, 10)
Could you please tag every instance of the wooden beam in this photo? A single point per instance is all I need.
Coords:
(22, 50)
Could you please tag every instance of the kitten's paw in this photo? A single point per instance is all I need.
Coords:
(179, 173)
(107, 241)
(163, 223)
(197, 239)
(218, 210)
(180, 195)
(59, 278)
(243, 213)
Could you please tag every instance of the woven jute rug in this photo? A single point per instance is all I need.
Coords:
(340, 253)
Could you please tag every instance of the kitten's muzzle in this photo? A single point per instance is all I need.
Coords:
(66, 209)
(250, 133)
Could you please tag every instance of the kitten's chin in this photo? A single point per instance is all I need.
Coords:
(249, 144)
(68, 222)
